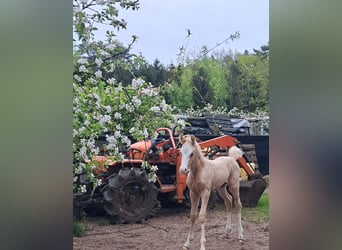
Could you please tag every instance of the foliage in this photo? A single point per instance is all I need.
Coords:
(79, 229)
(222, 80)
(248, 83)
(102, 105)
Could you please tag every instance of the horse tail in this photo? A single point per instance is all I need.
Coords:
(235, 152)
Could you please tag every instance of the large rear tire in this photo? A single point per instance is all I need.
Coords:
(129, 197)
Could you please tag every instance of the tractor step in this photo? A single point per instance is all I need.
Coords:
(165, 188)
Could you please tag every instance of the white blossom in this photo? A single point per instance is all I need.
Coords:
(98, 73)
(181, 122)
(110, 46)
(154, 168)
(74, 133)
(83, 141)
(108, 109)
(83, 153)
(117, 133)
(76, 9)
(98, 61)
(82, 129)
(111, 67)
(118, 89)
(121, 156)
(82, 68)
(77, 78)
(132, 130)
(92, 81)
(82, 61)
(111, 139)
(137, 83)
(83, 189)
(104, 53)
(155, 109)
(126, 140)
(112, 142)
(96, 96)
(77, 101)
(111, 81)
(79, 170)
(136, 101)
(95, 151)
(145, 133)
(148, 92)
(90, 143)
(163, 106)
(104, 119)
(128, 107)
(152, 178)
(117, 115)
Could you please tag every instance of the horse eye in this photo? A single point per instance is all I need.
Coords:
(191, 154)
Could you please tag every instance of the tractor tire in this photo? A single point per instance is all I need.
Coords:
(129, 197)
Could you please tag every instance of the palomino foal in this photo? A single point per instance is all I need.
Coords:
(203, 176)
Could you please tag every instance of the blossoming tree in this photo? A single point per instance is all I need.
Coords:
(102, 105)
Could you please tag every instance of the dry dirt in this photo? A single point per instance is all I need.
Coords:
(168, 230)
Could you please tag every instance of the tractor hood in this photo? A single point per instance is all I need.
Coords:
(138, 150)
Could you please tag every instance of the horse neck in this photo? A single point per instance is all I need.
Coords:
(197, 161)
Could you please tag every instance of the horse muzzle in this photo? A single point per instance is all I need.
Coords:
(184, 171)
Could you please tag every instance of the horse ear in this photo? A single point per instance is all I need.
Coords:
(181, 138)
(193, 139)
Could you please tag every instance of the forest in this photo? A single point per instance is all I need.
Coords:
(221, 79)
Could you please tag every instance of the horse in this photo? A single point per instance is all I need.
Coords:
(205, 175)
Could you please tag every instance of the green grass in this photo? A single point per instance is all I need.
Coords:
(79, 229)
(103, 222)
(260, 212)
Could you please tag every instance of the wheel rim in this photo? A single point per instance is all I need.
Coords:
(133, 198)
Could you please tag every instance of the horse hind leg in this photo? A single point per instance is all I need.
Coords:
(228, 202)
(194, 198)
(234, 189)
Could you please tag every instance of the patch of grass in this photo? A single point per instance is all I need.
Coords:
(103, 222)
(260, 212)
(267, 179)
(79, 229)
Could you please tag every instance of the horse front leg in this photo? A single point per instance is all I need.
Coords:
(194, 198)
(228, 202)
(238, 206)
(202, 215)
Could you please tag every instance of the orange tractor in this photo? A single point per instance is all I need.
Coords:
(127, 195)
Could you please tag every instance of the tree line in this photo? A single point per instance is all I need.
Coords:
(222, 79)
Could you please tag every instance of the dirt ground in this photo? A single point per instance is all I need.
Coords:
(168, 230)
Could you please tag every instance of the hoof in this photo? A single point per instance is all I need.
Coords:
(185, 248)
(241, 240)
(228, 232)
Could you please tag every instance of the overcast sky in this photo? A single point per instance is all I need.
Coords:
(161, 26)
